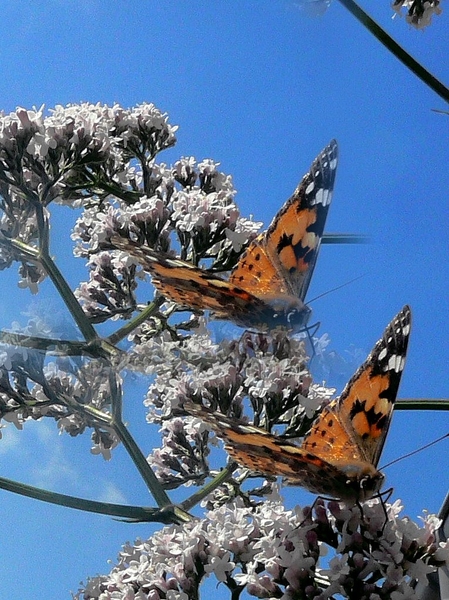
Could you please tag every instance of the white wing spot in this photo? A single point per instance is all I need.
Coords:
(310, 187)
(382, 353)
(319, 196)
(396, 363)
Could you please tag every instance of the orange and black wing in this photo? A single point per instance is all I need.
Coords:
(190, 286)
(268, 454)
(258, 450)
(353, 428)
(280, 262)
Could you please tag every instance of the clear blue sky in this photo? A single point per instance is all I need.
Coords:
(260, 87)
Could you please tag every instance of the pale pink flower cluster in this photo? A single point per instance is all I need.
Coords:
(102, 160)
(276, 553)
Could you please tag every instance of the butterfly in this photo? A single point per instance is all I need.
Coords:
(338, 457)
(268, 285)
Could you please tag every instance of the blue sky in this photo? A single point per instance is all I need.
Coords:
(260, 87)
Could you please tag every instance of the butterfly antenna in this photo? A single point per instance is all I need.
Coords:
(336, 288)
(416, 451)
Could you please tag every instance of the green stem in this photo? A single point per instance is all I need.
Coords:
(135, 513)
(162, 500)
(60, 347)
(124, 331)
(61, 285)
(158, 493)
(421, 404)
(222, 476)
(344, 238)
(67, 295)
(115, 422)
(432, 82)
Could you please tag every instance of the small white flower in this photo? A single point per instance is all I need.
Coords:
(221, 566)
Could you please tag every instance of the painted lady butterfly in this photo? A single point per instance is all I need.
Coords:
(338, 457)
(268, 286)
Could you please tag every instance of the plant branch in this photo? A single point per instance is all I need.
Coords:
(134, 513)
(100, 349)
(160, 496)
(415, 67)
(422, 404)
(67, 295)
(222, 476)
(344, 238)
(147, 312)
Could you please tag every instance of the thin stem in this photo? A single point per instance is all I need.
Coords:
(432, 82)
(44, 229)
(344, 238)
(158, 493)
(222, 476)
(89, 410)
(124, 331)
(134, 513)
(422, 404)
(67, 295)
(130, 445)
(43, 257)
(115, 422)
(60, 347)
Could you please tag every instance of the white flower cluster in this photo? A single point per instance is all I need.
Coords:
(76, 155)
(32, 388)
(189, 206)
(275, 553)
(267, 375)
(102, 160)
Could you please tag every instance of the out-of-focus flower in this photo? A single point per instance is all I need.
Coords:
(419, 12)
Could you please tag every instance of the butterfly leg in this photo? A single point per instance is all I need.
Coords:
(311, 331)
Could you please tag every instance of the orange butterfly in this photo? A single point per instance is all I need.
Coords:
(338, 457)
(268, 286)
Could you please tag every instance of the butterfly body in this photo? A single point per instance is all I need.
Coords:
(267, 287)
(338, 457)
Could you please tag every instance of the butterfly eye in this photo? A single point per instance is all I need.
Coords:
(298, 318)
(371, 484)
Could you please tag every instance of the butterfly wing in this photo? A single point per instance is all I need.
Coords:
(353, 428)
(268, 285)
(257, 449)
(190, 286)
(268, 454)
(281, 261)
(339, 456)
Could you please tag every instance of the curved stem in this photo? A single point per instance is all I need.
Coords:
(222, 476)
(157, 491)
(121, 333)
(134, 513)
(142, 465)
(432, 82)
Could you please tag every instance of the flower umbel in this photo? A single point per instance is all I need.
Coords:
(272, 553)
(104, 161)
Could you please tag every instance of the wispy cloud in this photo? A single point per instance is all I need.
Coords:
(111, 493)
